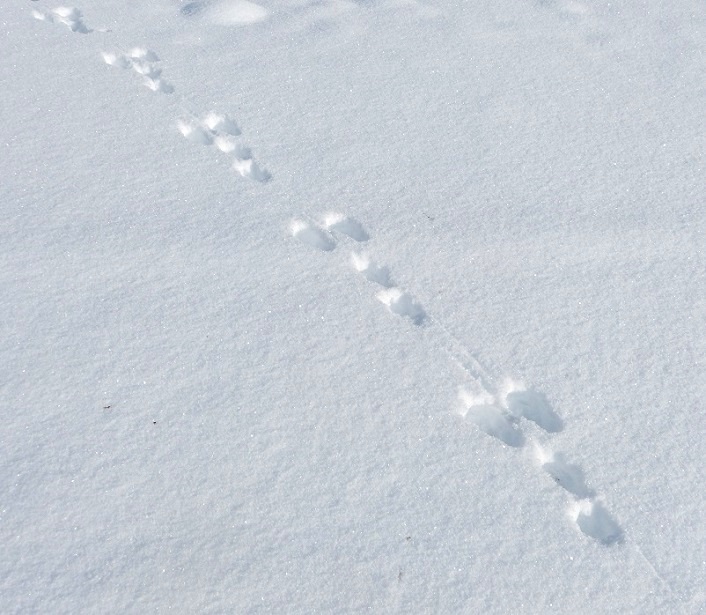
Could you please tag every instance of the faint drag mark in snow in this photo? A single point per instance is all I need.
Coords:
(69, 16)
(312, 235)
(144, 62)
(221, 131)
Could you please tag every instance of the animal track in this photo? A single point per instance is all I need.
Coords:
(566, 475)
(498, 410)
(533, 406)
(397, 300)
(481, 408)
(402, 303)
(312, 235)
(587, 512)
(347, 226)
(220, 130)
(371, 271)
(595, 521)
(69, 16)
(143, 62)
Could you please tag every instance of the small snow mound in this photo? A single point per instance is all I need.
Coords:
(238, 12)
(67, 12)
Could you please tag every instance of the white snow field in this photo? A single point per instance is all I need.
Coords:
(343, 306)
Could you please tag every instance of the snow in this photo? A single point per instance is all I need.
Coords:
(341, 306)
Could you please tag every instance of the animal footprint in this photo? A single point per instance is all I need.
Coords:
(402, 303)
(312, 235)
(566, 475)
(69, 16)
(482, 410)
(531, 405)
(143, 62)
(589, 514)
(220, 130)
(250, 169)
(371, 271)
(347, 226)
(595, 521)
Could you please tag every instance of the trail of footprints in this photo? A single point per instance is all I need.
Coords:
(499, 414)
(498, 411)
(219, 131)
(68, 16)
(212, 129)
(144, 62)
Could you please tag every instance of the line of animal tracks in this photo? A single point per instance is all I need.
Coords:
(499, 406)
(208, 128)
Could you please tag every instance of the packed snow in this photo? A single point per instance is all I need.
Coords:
(336, 306)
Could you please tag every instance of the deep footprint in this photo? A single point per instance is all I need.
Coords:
(596, 522)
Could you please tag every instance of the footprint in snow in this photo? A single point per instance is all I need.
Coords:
(312, 235)
(69, 16)
(221, 131)
(589, 514)
(144, 62)
(565, 474)
(347, 226)
(482, 409)
(402, 303)
(531, 405)
(596, 522)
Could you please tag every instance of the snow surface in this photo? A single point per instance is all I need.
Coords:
(393, 306)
